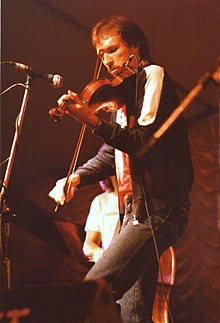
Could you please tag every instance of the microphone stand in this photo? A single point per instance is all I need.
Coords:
(5, 213)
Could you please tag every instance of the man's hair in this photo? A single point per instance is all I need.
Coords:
(130, 33)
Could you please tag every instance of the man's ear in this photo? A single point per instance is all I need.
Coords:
(135, 48)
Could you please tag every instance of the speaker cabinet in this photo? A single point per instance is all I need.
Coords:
(86, 302)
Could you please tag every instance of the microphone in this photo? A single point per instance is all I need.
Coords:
(55, 80)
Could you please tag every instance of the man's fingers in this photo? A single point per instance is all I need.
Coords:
(57, 194)
(76, 98)
(62, 99)
(65, 97)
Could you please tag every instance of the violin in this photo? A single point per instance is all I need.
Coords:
(101, 94)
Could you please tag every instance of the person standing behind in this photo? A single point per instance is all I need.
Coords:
(103, 222)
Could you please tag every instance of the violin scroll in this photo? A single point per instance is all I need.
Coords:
(58, 112)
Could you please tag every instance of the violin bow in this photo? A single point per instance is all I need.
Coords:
(75, 157)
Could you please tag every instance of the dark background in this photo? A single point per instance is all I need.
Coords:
(53, 36)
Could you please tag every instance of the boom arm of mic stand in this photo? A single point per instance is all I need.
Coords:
(5, 213)
(203, 81)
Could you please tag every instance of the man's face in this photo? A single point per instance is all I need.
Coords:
(114, 53)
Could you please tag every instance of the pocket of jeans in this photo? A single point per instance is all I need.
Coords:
(174, 228)
(126, 219)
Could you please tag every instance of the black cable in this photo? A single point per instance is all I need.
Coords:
(63, 14)
(156, 248)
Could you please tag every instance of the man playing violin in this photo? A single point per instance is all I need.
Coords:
(154, 185)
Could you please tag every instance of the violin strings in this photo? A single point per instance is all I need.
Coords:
(98, 67)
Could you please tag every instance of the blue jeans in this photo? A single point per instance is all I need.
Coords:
(131, 258)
